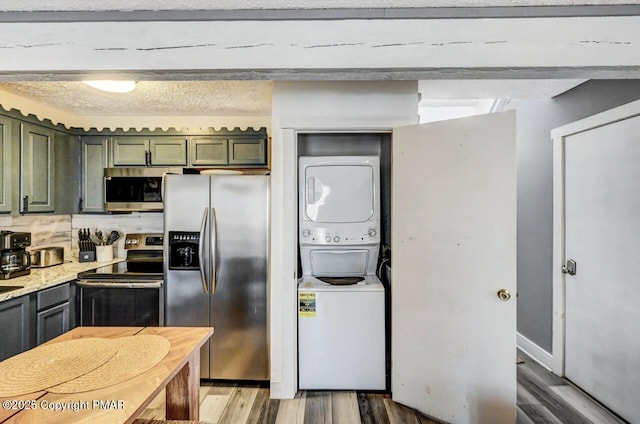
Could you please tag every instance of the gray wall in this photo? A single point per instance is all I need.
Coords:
(535, 120)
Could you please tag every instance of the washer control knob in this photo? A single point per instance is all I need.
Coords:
(306, 232)
(327, 239)
(372, 232)
(336, 239)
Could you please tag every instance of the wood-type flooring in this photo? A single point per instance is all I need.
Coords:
(543, 398)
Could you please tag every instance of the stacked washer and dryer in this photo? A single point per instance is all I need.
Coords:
(341, 301)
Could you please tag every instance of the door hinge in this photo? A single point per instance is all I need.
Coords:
(570, 267)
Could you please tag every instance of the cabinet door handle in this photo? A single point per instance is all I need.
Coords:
(25, 204)
(147, 157)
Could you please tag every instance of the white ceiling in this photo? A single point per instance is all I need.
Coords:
(92, 5)
(168, 98)
(241, 98)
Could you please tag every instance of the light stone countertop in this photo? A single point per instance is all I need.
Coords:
(42, 278)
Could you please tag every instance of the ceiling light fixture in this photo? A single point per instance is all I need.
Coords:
(113, 86)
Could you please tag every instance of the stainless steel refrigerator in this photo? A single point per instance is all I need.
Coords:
(215, 239)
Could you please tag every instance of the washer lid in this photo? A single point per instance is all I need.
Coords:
(371, 283)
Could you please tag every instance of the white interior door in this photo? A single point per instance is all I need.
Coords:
(454, 248)
(602, 231)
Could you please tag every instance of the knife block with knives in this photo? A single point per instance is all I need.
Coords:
(87, 248)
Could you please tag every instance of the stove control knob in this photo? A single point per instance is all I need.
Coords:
(306, 232)
(327, 239)
(336, 239)
(372, 232)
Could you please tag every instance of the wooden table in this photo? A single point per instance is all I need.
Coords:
(179, 372)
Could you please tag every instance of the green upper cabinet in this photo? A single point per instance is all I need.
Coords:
(209, 151)
(94, 160)
(130, 151)
(5, 162)
(217, 151)
(37, 175)
(144, 151)
(247, 151)
(168, 151)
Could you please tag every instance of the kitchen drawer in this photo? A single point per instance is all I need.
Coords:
(52, 296)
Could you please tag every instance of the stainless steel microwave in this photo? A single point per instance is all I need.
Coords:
(134, 189)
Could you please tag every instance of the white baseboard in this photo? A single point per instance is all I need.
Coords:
(277, 390)
(540, 355)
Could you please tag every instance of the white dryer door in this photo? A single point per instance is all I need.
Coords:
(328, 199)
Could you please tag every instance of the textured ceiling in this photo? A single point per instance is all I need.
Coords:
(92, 5)
(239, 98)
(175, 98)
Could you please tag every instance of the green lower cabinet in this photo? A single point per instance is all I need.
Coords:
(36, 318)
(15, 326)
(55, 308)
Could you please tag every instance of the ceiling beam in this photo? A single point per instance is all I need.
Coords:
(377, 49)
(337, 74)
(496, 12)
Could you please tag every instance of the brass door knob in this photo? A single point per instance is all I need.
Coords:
(504, 295)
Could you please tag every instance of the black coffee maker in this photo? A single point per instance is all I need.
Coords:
(15, 261)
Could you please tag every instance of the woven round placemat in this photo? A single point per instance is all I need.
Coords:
(136, 354)
(45, 366)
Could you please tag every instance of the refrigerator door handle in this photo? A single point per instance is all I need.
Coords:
(214, 248)
(200, 250)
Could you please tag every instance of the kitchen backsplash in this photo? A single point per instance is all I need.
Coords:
(46, 230)
(147, 222)
(62, 230)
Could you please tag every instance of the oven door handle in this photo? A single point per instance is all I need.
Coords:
(139, 284)
(203, 276)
